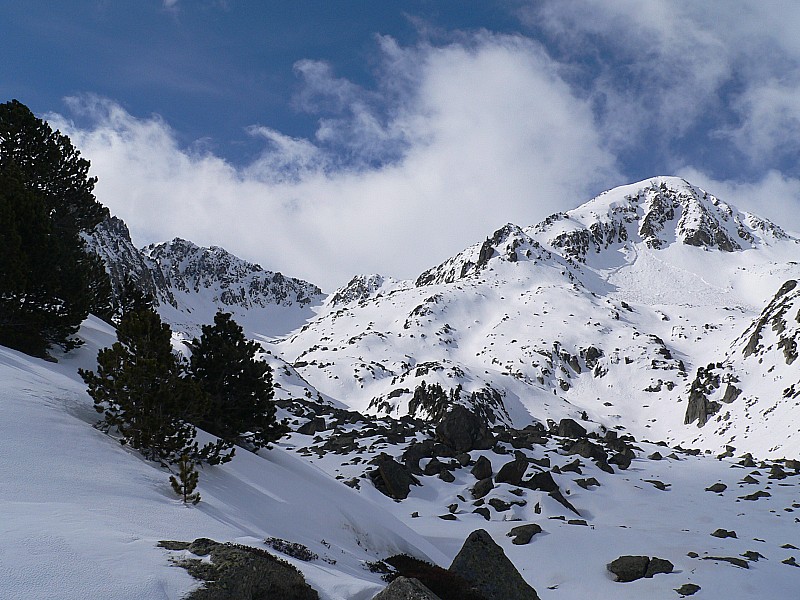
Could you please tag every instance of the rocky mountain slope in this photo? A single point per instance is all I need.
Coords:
(608, 311)
(191, 283)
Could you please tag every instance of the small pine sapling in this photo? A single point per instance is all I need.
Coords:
(186, 481)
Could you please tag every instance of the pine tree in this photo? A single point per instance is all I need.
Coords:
(48, 283)
(239, 386)
(186, 481)
(141, 389)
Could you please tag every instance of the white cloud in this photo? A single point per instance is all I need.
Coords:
(479, 133)
(666, 66)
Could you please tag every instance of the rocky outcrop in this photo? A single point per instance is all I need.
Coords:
(391, 478)
(462, 430)
(406, 588)
(111, 241)
(229, 280)
(236, 572)
(484, 564)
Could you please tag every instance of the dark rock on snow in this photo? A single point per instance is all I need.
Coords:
(512, 472)
(392, 479)
(483, 487)
(687, 589)
(523, 533)
(482, 468)
(463, 431)
(237, 572)
(571, 429)
(406, 588)
(631, 568)
(484, 564)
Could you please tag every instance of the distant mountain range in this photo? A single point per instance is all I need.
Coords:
(655, 308)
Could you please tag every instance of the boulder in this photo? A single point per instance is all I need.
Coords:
(717, 488)
(724, 533)
(392, 479)
(583, 447)
(622, 460)
(688, 589)
(484, 564)
(415, 452)
(482, 468)
(463, 431)
(512, 472)
(406, 588)
(571, 429)
(483, 487)
(631, 568)
(237, 572)
(523, 533)
(658, 565)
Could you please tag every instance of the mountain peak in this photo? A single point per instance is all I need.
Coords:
(657, 212)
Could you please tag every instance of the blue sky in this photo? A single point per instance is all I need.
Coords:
(329, 138)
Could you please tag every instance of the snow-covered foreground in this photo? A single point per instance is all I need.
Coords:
(81, 515)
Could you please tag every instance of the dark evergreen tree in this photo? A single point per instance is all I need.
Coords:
(239, 386)
(186, 481)
(48, 283)
(132, 297)
(141, 389)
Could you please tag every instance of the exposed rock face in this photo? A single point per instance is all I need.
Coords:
(667, 209)
(232, 281)
(484, 564)
(508, 244)
(111, 241)
(463, 431)
(406, 588)
(782, 314)
(360, 287)
(236, 572)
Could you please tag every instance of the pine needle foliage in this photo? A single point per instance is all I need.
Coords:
(48, 282)
(185, 483)
(238, 385)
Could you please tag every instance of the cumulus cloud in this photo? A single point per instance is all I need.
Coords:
(453, 142)
(658, 69)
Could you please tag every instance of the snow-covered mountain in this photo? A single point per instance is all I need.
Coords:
(608, 309)
(191, 283)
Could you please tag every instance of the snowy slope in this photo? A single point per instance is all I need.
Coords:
(82, 515)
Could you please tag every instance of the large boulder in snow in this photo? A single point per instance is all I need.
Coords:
(391, 478)
(406, 588)
(484, 564)
(463, 431)
(631, 568)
